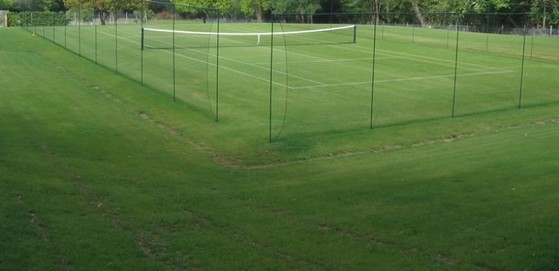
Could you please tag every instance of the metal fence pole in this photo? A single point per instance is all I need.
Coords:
(522, 70)
(455, 72)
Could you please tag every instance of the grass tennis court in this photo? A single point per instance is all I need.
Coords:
(99, 172)
(322, 83)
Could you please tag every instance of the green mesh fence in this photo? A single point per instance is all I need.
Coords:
(298, 75)
(322, 74)
(404, 73)
(180, 56)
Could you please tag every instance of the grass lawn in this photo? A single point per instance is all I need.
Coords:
(100, 172)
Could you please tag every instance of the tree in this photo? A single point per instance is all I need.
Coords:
(545, 12)
(255, 7)
(32, 5)
(29, 5)
(160, 6)
(392, 10)
(57, 5)
(204, 7)
(6, 4)
(103, 7)
(302, 10)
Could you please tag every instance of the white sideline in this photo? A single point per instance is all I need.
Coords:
(214, 65)
(321, 85)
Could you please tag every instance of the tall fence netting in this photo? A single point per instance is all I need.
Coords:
(302, 74)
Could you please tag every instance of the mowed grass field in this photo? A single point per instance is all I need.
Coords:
(99, 172)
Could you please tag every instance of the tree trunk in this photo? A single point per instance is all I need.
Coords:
(103, 17)
(544, 15)
(258, 11)
(418, 14)
(377, 11)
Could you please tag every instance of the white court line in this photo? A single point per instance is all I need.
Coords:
(410, 57)
(330, 61)
(264, 68)
(438, 60)
(451, 63)
(237, 71)
(323, 85)
(422, 59)
(399, 80)
(368, 50)
(220, 66)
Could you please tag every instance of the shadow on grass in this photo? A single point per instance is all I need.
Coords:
(301, 140)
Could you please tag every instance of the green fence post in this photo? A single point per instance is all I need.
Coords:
(373, 74)
(455, 72)
(271, 78)
(116, 40)
(217, 69)
(522, 70)
(174, 60)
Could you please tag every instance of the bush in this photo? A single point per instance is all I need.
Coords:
(37, 19)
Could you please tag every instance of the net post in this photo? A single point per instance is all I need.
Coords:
(355, 33)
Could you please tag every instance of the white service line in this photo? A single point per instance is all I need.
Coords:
(323, 85)
(398, 80)
(264, 68)
(221, 66)
(330, 61)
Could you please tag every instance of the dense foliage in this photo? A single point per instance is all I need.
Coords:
(103, 7)
(542, 13)
(37, 19)
(32, 5)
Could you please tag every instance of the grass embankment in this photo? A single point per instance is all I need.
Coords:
(95, 173)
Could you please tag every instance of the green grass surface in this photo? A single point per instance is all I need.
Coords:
(99, 172)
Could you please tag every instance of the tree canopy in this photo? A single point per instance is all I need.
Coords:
(103, 7)
(34, 5)
(541, 12)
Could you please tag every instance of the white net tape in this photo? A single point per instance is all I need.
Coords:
(250, 34)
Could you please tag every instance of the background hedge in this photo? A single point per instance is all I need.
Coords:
(37, 19)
